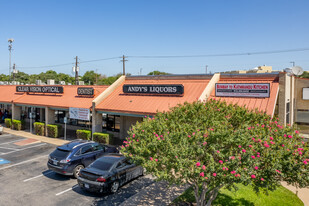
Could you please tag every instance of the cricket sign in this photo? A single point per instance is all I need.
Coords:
(259, 90)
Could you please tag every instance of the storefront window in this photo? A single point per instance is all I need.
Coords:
(59, 116)
(111, 122)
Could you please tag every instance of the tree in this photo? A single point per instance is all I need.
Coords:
(90, 77)
(109, 80)
(210, 145)
(305, 75)
(156, 72)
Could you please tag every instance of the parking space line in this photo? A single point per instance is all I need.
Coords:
(12, 141)
(24, 149)
(60, 193)
(9, 148)
(13, 165)
(5, 135)
(26, 180)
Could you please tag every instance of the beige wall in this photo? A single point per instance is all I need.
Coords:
(97, 122)
(16, 112)
(299, 85)
(125, 123)
(285, 96)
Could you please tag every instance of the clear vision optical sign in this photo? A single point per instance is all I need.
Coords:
(170, 89)
(40, 89)
(259, 90)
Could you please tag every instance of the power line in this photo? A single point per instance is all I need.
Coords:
(65, 64)
(227, 54)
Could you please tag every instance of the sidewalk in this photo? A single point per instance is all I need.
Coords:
(303, 194)
(159, 193)
(49, 140)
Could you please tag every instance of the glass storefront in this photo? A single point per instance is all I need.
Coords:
(111, 122)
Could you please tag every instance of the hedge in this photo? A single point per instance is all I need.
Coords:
(18, 124)
(39, 128)
(102, 137)
(53, 130)
(83, 134)
(8, 122)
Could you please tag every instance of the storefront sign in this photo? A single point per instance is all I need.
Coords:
(85, 91)
(153, 89)
(261, 90)
(79, 113)
(40, 89)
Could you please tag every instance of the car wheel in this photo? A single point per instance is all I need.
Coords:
(77, 170)
(114, 187)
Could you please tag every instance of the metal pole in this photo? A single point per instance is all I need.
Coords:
(123, 65)
(30, 120)
(65, 130)
(76, 71)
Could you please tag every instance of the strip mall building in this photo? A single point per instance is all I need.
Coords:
(114, 109)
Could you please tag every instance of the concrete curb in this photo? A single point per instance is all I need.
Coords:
(49, 140)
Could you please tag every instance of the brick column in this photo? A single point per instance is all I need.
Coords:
(49, 118)
(16, 112)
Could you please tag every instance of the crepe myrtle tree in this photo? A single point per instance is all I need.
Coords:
(210, 145)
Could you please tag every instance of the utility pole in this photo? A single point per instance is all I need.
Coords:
(123, 65)
(14, 71)
(293, 63)
(206, 68)
(96, 77)
(76, 71)
(10, 49)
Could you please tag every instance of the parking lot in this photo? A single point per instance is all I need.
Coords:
(25, 179)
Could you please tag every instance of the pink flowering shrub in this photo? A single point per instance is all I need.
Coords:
(218, 145)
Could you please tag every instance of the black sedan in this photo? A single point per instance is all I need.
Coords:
(108, 173)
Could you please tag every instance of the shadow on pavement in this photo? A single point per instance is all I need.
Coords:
(125, 192)
(56, 176)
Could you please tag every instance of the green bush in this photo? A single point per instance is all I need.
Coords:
(102, 137)
(39, 128)
(53, 130)
(83, 134)
(18, 124)
(8, 122)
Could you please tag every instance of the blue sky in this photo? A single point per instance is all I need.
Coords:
(54, 32)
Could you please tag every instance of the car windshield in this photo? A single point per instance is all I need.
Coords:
(102, 165)
(60, 153)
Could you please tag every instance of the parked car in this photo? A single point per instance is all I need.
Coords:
(70, 158)
(108, 173)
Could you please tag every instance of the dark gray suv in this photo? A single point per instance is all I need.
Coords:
(70, 158)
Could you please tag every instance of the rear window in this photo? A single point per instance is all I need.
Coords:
(60, 153)
(102, 165)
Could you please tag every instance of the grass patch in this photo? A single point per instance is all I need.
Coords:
(246, 196)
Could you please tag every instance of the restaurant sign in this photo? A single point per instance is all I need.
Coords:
(153, 89)
(260, 90)
(79, 113)
(85, 91)
(40, 89)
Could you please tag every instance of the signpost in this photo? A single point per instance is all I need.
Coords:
(65, 127)
(30, 116)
